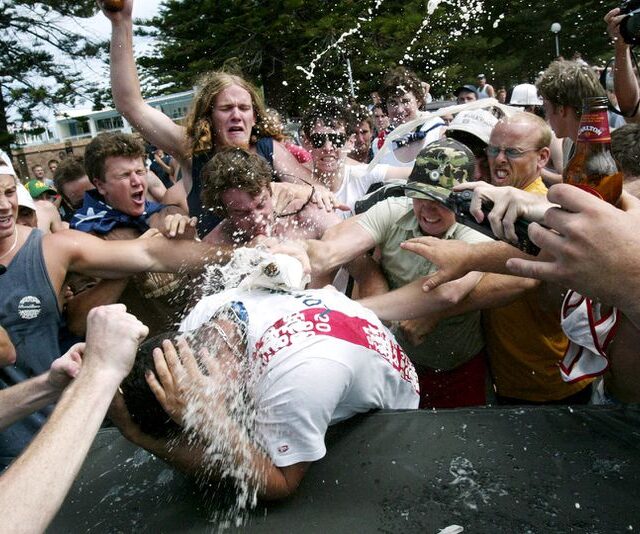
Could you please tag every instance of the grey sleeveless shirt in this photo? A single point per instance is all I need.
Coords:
(30, 315)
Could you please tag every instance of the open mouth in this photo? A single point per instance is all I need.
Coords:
(6, 221)
(234, 130)
(138, 197)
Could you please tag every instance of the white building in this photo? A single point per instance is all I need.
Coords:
(85, 123)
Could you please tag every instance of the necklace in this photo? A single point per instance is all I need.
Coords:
(15, 242)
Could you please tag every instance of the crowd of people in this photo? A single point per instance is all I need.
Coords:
(389, 303)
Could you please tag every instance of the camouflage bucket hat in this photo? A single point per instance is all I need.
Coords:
(439, 166)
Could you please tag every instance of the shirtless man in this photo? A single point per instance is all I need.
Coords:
(237, 186)
(34, 267)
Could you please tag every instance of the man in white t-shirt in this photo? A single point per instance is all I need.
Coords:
(404, 95)
(329, 134)
(307, 360)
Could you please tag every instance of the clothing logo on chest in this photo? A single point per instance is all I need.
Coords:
(29, 307)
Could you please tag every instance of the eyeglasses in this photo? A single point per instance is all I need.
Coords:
(318, 140)
(510, 153)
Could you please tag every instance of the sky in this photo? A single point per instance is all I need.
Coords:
(99, 28)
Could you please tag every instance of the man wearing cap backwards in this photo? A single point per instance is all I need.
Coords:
(466, 94)
(525, 342)
(473, 128)
(450, 362)
(40, 199)
(39, 190)
(33, 268)
(484, 90)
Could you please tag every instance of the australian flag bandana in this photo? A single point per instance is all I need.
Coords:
(98, 217)
(417, 135)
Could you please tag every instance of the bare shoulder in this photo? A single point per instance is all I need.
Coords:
(317, 220)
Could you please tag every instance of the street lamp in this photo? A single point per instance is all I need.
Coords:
(555, 28)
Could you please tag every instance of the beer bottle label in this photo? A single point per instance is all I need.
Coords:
(594, 128)
(589, 189)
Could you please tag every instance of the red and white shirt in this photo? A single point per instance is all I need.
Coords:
(323, 359)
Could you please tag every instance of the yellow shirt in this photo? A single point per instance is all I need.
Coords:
(525, 344)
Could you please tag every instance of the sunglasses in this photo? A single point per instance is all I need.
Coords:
(318, 140)
(510, 153)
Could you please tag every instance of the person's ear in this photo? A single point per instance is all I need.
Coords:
(99, 185)
(351, 142)
(543, 157)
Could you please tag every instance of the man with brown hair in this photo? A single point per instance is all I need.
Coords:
(72, 182)
(403, 94)
(563, 88)
(237, 186)
(117, 209)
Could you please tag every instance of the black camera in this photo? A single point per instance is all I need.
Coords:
(630, 25)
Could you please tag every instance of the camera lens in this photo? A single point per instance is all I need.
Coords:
(630, 25)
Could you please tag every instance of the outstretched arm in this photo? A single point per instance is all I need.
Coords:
(339, 245)
(154, 125)
(79, 252)
(410, 302)
(591, 246)
(38, 477)
(25, 398)
(456, 258)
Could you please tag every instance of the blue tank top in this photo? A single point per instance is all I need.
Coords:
(207, 221)
(30, 315)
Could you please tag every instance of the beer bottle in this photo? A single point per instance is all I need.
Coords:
(592, 166)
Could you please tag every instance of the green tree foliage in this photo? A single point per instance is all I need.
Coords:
(273, 41)
(31, 78)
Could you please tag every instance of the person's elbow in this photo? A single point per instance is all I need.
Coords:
(7, 354)
(279, 483)
(277, 492)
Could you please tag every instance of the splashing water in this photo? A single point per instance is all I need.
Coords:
(312, 66)
(466, 480)
(220, 419)
(220, 412)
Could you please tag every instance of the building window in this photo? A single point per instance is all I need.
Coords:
(77, 128)
(111, 123)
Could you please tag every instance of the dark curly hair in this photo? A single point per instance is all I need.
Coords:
(330, 111)
(144, 408)
(233, 167)
(400, 81)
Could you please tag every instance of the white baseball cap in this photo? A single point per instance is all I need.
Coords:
(24, 198)
(525, 94)
(5, 164)
(478, 122)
